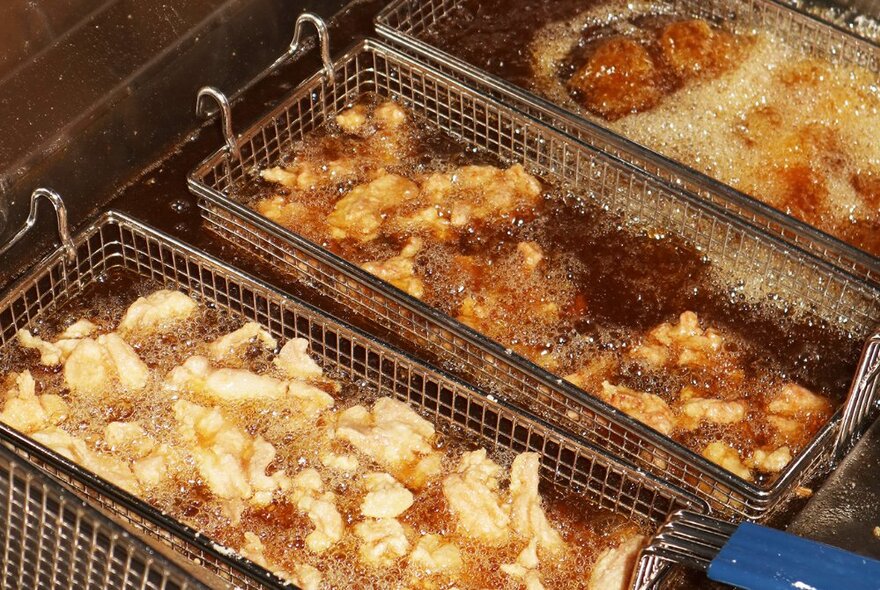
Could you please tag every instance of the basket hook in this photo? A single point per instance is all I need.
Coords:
(323, 40)
(60, 215)
(209, 92)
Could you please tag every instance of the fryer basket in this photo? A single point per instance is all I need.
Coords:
(118, 243)
(762, 260)
(52, 540)
(404, 22)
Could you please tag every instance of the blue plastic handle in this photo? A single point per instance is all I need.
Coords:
(760, 558)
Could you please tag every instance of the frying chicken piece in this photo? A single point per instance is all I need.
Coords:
(27, 412)
(304, 575)
(309, 496)
(386, 497)
(684, 343)
(225, 385)
(400, 270)
(158, 311)
(94, 364)
(696, 410)
(433, 555)
(75, 449)
(390, 115)
(230, 343)
(344, 463)
(359, 214)
(526, 513)
(526, 567)
(129, 439)
(308, 175)
(531, 253)
(727, 457)
(618, 79)
(55, 353)
(352, 120)
(232, 463)
(692, 48)
(614, 566)
(395, 437)
(295, 362)
(312, 400)
(795, 401)
(770, 461)
(473, 193)
(383, 541)
(155, 468)
(472, 495)
(644, 407)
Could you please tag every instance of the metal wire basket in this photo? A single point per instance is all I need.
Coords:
(52, 540)
(120, 244)
(372, 67)
(405, 22)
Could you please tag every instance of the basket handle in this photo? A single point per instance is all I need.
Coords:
(756, 557)
(211, 93)
(861, 399)
(323, 40)
(60, 216)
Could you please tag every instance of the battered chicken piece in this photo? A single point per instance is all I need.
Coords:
(433, 555)
(295, 362)
(304, 576)
(390, 115)
(727, 457)
(157, 311)
(225, 385)
(312, 400)
(614, 567)
(75, 449)
(55, 353)
(344, 463)
(95, 364)
(386, 497)
(531, 253)
(644, 407)
(154, 469)
(306, 175)
(696, 410)
(770, 461)
(472, 495)
(618, 79)
(309, 496)
(400, 270)
(473, 193)
(795, 401)
(684, 343)
(395, 437)
(27, 412)
(352, 120)
(285, 212)
(692, 48)
(526, 513)
(359, 214)
(383, 541)
(129, 439)
(230, 343)
(232, 463)
(526, 567)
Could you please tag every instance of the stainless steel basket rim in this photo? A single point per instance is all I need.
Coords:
(767, 493)
(158, 518)
(680, 169)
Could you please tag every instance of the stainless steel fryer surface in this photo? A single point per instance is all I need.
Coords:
(118, 243)
(760, 260)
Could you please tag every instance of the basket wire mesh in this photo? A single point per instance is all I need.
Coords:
(53, 540)
(762, 260)
(120, 244)
(405, 22)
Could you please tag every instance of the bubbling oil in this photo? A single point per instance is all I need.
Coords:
(282, 528)
(600, 287)
(793, 131)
